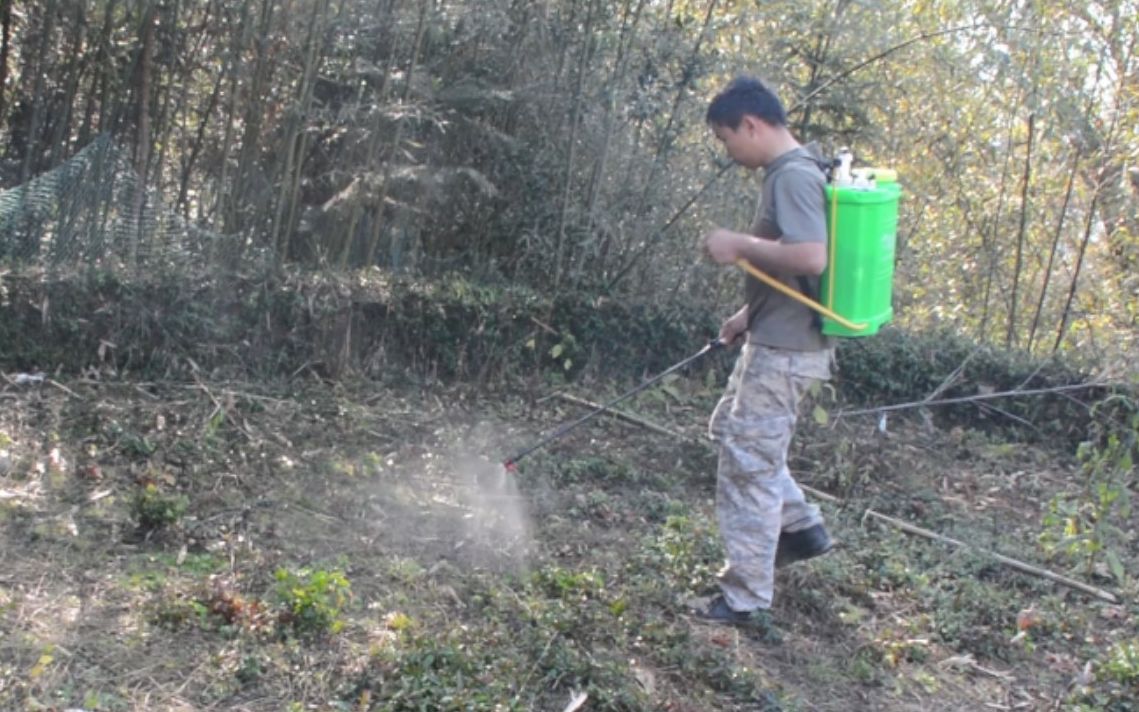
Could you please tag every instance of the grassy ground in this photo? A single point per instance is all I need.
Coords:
(229, 546)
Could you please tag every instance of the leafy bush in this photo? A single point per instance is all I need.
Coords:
(155, 510)
(901, 367)
(1088, 525)
(312, 600)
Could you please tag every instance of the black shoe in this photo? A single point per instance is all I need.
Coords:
(802, 545)
(757, 621)
(718, 611)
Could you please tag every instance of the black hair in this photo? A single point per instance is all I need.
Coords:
(745, 96)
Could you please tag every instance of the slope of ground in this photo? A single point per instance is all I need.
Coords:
(306, 546)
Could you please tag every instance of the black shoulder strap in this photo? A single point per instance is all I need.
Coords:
(826, 166)
(805, 288)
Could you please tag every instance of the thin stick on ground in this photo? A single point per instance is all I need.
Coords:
(1006, 560)
(620, 414)
(888, 520)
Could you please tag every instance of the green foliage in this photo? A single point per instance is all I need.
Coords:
(130, 443)
(562, 583)
(592, 468)
(154, 509)
(1089, 526)
(313, 600)
(437, 674)
(1122, 664)
(1116, 685)
(451, 328)
(897, 366)
(687, 548)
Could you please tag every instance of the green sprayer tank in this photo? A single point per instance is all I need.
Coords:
(862, 225)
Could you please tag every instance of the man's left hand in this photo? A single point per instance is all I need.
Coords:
(724, 246)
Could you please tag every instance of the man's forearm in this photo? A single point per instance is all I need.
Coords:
(775, 257)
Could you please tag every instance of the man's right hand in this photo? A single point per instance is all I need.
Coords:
(735, 325)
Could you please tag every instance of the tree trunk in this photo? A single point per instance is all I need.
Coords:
(294, 144)
(235, 68)
(990, 245)
(629, 27)
(571, 153)
(397, 136)
(1052, 252)
(1010, 334)
(236, 219)
(664, 144)
(818, 64)
(142, 141)
(1065, 315)
(196, 147)
(344, 252)
(74, 71)
(5, 49)
(38, 71)
(98, 75)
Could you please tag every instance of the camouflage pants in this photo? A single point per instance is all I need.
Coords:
(756, 497)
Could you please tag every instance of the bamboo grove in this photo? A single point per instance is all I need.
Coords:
(560, 143)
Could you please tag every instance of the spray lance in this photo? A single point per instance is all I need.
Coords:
(511, 463)
(856, 287)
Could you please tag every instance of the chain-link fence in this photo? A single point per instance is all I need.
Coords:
(92, 212)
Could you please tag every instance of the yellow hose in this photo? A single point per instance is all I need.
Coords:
(796, 295)
(832, 245)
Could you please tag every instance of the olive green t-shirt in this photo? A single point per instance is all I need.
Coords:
(792, 208)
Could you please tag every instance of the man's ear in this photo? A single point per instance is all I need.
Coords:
(753, 125)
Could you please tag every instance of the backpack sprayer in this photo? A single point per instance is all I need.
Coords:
(856, 288)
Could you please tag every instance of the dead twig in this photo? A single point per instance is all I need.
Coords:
(1006, 560)
(914, 529)
(974, 398)
(65, 389)
(620, 414)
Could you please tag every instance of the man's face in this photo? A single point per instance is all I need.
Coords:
(745, 143)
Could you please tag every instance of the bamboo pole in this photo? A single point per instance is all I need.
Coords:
(1006, 560)
(879, 517)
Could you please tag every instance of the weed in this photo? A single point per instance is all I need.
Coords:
(313, 600)
(154, 510)
(593, 469)
(132, 444)
(688, 549)
(1117, 690)
(657, 507)
(178, 612)
(974, 616)
(564, 584)
(865, 666)
(1088, 526)
(237, 612)
(250, 670)
(1122, 665)
(438, 674)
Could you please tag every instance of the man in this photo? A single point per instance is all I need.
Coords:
(765, 522)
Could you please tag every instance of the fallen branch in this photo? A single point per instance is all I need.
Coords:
(64, 388)
(1007, 561)
(973, 398)
(888, 520)
(622, 415)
